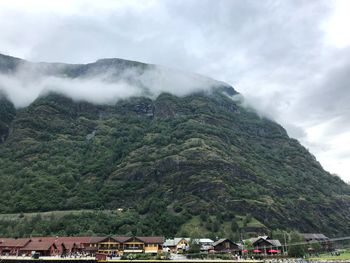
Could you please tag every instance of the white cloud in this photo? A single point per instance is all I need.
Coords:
(337, 26)
(99, 85)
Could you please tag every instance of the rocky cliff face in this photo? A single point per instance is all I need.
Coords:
(7, 114)
(168, 158)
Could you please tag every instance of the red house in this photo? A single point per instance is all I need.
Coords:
(11, 246)
(45, 248)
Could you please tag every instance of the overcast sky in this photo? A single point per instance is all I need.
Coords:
(289, 59)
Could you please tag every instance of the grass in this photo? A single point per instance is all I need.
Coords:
(328, 256)
(253, 222)
(194, 227)
(45, 215)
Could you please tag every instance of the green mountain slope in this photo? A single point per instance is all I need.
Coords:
(171, 163)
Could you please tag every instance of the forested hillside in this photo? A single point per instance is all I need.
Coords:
(170, 164)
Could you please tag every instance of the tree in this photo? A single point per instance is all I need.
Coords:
(316, 247)
(234, 226)
(248, 245)
(195, 247)
(296, 245)
(247, 219)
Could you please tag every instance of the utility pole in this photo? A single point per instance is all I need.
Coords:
(285, 242)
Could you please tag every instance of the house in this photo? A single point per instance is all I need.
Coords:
(110, 245)
(152, 245)
(133, 245)
(81, 243)
(315, 237)
(320, 238)
(119, 245)
(11, 246)
(72, 245)
(69, 247)
(50, 246)
(206, 244)
(90, 244)
(266, 245)
(226, 245)
(176, 244)
(44, 247)
(143, 245)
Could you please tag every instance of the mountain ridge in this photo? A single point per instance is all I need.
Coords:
(169, 161)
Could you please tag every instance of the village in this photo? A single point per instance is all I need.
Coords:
(132, 247)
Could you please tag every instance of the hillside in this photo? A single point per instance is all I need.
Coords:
(170, 164)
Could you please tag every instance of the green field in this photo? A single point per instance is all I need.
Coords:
(328, 256)
(46, 215)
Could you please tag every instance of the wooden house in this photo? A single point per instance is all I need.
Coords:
(12, 246)
(110, 246)
(266, 245)
(226, 245)
(45, 248)
(176, 244)
(323, 240)
(152, 245)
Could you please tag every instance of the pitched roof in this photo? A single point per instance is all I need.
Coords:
(38, 246)
(69, 245)
(314, 236)
(274, 242)
(220, 241)
(206, 240)
(82, 239)
(77, 240)
(152, 240)
(44, 239)
(169, 243)
(254, 239)
(13, 242)
(93, 240)
(122, 239)
(104, 239)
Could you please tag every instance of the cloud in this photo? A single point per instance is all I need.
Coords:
(104, 82)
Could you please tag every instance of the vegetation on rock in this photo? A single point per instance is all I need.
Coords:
(165, 163)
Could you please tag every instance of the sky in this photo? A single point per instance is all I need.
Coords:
(289, 59)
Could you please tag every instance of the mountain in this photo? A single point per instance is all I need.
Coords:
(156, 163)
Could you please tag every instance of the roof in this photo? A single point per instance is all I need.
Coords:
(104, 239)
(69, 245)
(68, 241)
(254, 239)
(93, 240)
(169, 243)
(173, 242)
(82, 239)
(220, 241)
(206, 240)
(203, 240)
(77, 240)
(13, 242)
(152, 240)
(314, 236)
(274, 242)
(178, 239)
(38, 246)
(122, 239)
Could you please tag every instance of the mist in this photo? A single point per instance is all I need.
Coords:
(101, 83)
